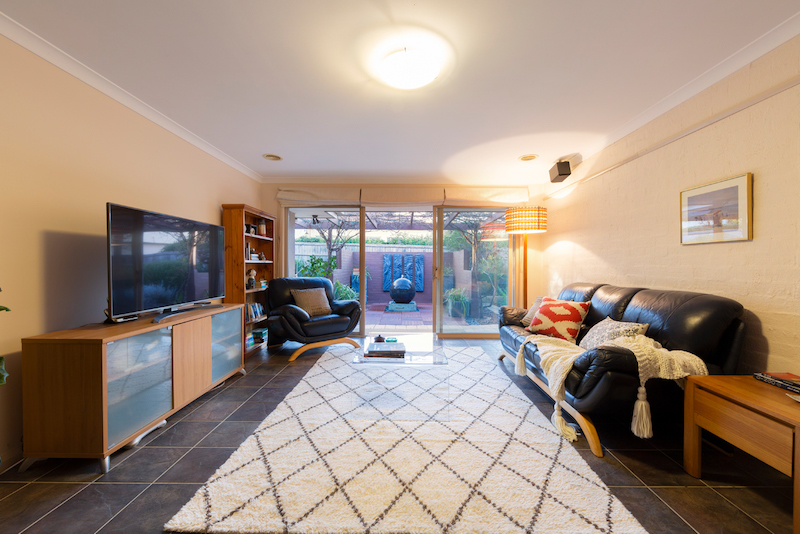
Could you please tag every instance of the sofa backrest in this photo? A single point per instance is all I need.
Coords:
(279, 291)
(682, 320)
(609, 301)
(579, 292)
(705, 325)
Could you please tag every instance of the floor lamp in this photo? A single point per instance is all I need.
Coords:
(523, 221)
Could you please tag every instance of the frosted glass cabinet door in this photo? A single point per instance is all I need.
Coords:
(139, 382)
(226, 343)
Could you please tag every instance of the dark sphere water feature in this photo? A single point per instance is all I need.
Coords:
(402, 291)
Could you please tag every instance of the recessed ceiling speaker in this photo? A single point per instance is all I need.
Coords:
(560, 171)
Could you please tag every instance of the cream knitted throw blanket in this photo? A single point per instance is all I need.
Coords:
(557, 357)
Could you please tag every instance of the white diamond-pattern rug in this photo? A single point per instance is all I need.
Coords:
(471, 455)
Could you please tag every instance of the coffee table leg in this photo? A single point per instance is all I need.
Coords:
(691, 433)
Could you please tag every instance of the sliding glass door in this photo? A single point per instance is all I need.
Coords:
(472, 260)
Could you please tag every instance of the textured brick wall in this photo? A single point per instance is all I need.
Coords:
(623, 227)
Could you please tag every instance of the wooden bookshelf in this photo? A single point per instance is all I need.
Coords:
(235, 219)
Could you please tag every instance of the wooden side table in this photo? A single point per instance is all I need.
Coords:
(752, 415)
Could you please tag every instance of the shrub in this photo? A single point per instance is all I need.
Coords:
(343, 292)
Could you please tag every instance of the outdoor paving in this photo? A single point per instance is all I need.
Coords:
(377, 318)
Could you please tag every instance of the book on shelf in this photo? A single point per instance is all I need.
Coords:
(386, 350)
(787, 381)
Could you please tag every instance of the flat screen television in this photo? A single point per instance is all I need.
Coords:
(159, 262)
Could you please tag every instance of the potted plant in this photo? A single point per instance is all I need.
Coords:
(457, 302)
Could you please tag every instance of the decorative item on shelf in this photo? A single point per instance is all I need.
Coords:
(262, 284)
(262, 227)
(262, 256)
(526, 220)
(251, 279)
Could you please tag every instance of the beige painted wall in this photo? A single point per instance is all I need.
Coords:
(623, 226)
(66, 150)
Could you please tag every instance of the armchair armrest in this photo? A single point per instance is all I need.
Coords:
(294, 315)
(511, 316)
(344, 307)
(594, 363)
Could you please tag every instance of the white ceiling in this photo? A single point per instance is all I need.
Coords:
(247, 77)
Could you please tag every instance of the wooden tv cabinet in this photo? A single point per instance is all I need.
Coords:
(89, 391)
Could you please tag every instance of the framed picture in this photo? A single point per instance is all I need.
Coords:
(718, 212)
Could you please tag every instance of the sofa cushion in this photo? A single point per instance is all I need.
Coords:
(559, 318)
(609, 329)
(682, 320)
(528, 317)
(609, 301)
(313, 301)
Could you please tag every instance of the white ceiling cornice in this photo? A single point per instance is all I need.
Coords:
(738, 60)
(52, 54)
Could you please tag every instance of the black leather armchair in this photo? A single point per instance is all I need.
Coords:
(289, 322)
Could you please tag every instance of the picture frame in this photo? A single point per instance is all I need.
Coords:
(718, 212)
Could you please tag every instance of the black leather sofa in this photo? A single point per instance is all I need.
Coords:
(705, 325)
(288, 322)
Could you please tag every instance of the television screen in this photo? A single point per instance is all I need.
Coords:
(157, 262)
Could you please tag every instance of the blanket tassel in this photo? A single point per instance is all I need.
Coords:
(519, 367)
(561, 424)
(642, 425)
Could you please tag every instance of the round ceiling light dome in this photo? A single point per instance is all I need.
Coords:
(409, 68)
(407, 57)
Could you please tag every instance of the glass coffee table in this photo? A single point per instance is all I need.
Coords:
(415, 387)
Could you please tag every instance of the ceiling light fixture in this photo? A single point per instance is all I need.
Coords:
(406, 57)
(526, 220)
(528, 157)
(409, 68)
(271, 157)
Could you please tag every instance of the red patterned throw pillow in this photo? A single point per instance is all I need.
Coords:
(559, 318)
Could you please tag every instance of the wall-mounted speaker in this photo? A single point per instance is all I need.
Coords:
(560, 171)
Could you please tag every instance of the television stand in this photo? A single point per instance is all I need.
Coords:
(205, 306)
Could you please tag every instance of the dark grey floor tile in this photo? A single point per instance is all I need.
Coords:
(707, 511)
(655, 516)
(609, 469)
(295, 370)
(88, 510)
(27, 505)
(214, 410)
(235, 393)
(146, 465)
(720, 469)
(253, 411)
(229, 434)
(182, 434)
(761, 473)
(7, 488)
(771, 507)
(197, 466)
(266, 369)
(271, 394)
(35, 471)
(74, 470)
(284, 381)
(654, 468)
(254, 380)
(151, 510)
(186, 410)
(171, 422)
